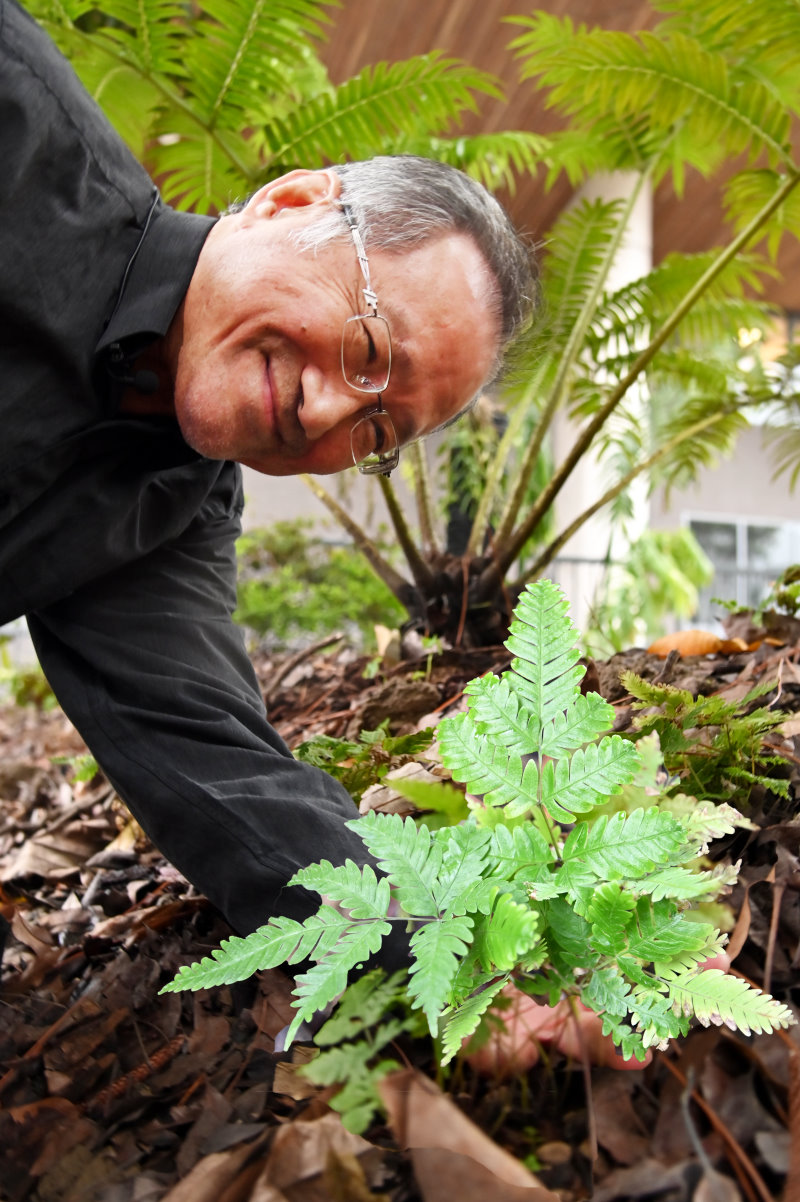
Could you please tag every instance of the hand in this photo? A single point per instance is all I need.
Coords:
(529, 1024)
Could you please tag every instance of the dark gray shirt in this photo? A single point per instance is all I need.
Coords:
(116, 539)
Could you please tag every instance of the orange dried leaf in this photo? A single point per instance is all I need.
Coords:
(687, 642)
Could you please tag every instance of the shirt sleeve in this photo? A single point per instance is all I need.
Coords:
(151, 669)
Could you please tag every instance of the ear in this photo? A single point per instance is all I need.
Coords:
(295, 190)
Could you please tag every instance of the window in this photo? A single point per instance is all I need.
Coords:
(747, 557)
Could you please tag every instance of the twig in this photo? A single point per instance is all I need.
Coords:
(778, 890)
(735, 1149)
(292, 662)
(72, 811)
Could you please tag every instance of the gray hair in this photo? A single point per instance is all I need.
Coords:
(401, 200)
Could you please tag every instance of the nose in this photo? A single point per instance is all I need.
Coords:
(327, 402)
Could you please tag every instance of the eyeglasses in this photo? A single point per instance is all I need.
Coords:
(366, 367)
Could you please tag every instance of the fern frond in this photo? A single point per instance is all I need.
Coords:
(620, 846)
(610, 913)
(664, 933)
(681, 85)
(544, 642)
(521, 852)
(606, 993)
(497, 710)
(464, 852)
(362, 1005)
(358, 890)
(327, 979)
(407, 854)
(459, 1023)
(245, 50)
(737, 29)
(629, 1042)
(505, 937)
(713, 996)
(382, 103)
(494, 160)
(749, 191)
(574, 786)
(437, 947)
(653, 1016)
(282, 940)
(685, 884)
(589, 716)
(574, 255)
(487, 770)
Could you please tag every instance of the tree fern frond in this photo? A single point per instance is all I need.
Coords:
(437, 946)
(672, 77)
(246, 49)
(495, 160)
(459, 1023)
(767, 50)
(573, 255)
(749, 191)
(713, 996)
(383, 102)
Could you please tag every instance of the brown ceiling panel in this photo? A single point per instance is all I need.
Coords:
(371, 31)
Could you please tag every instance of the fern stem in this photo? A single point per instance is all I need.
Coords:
(382, 568)
(552, 549)
(422, 574)
(567, 362)
(424, 499)
(492, 575)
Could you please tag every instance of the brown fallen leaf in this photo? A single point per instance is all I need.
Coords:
(700, 642)
(298, 1167)
(451, 1156)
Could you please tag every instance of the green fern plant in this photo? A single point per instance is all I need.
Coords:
(573, 873)
(713, 747)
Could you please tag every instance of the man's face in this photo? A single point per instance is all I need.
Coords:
(255, 350)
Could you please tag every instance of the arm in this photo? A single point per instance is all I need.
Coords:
(151, 669)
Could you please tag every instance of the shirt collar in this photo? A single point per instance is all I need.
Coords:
(157, 276)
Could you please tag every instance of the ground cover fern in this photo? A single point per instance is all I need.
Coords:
(575, 872)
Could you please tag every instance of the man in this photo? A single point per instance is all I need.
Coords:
(333, 318)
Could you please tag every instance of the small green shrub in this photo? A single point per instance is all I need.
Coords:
(292, 585)
(575, 872)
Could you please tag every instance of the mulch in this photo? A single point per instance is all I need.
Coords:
(110, 1092)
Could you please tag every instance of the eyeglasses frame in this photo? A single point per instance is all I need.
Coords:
(381, 468)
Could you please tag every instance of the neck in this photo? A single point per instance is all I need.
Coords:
(159, 401)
